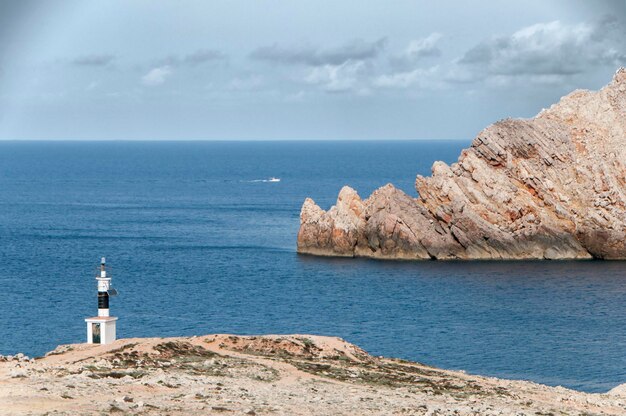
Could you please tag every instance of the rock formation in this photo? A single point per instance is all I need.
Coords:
(550, 187)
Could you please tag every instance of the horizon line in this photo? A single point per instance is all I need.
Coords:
(233, 140)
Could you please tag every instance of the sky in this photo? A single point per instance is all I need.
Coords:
(269, 69)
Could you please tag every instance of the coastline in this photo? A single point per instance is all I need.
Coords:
(271, 374)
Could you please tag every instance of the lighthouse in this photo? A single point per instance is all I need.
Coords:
(101, 328)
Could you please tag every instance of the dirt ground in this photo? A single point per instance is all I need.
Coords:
(266, 375)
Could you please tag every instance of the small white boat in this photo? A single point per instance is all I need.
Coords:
(273, 179)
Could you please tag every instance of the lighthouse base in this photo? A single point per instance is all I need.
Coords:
(101, 329)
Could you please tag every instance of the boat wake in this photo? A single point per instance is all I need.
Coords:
(272, 179)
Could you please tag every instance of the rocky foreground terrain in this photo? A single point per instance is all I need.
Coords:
(550, 187)
(266, 375)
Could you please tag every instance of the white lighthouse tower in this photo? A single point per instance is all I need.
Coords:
(101, 328)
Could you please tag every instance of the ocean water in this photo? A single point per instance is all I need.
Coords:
(198, 243)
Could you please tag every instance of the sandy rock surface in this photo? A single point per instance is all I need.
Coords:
(266, 375)
(550, 187)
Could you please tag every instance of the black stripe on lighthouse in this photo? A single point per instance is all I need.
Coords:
(103, 300)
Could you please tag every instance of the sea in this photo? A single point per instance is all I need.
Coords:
(199, 240)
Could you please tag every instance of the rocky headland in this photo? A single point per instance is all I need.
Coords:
(550, 187)
(266, 375)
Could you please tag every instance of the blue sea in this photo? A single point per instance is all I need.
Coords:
(197, 241)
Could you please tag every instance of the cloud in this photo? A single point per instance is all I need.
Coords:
(357, 50)
(458, 74)
(612, 30)
(417, 51)
(546, 49)
(202, 56)
(424, 47)
(613, 7)
(199, 57)
(419, 77)
(93, 60)
(156, 76)
(338, 78)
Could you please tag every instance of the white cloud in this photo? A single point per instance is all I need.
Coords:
(419, 77)
(553, 48)
(416, 52)
(337, 78)
(424, 47)
(461, 75)
(156, 76)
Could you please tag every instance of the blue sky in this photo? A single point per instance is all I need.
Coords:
(236, 69)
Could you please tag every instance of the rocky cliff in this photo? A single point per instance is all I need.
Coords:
(550, 187)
